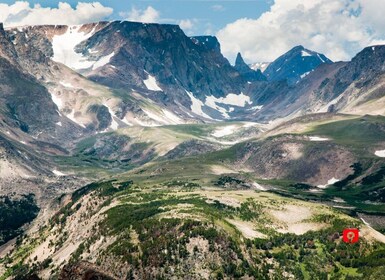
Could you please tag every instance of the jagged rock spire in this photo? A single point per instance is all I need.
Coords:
(246, 71)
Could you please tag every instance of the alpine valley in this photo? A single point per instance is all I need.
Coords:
(132, 151)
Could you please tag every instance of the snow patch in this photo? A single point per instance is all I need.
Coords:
(196, 106)
(59, 124)
(114, 125)
(57, 101)
(67, 85)
(103, 61)
(330, 182)
(249, 124)
(58, 173)
(320, 58)
(380, 153)
(64, 48)
(305, 74)
(210, 103)
(152, 84)
(305, 53)
(231, 99)
(318, 139)
(92, 51)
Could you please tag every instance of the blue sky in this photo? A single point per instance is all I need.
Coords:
(209, 15)
(261, 30)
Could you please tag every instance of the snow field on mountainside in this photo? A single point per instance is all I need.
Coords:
(151, 83)
(64, 48)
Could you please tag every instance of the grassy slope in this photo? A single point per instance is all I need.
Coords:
(159, 139)
(361, 136)
(173, 194)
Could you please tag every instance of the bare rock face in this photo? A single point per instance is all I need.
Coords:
(165, 52)
(7, 49)
(363, 72)
(24, 102)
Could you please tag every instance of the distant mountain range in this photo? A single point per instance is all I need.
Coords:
(107, 75)
(60, 84)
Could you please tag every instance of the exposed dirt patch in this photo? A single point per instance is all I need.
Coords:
(292, 218)
(246, 228)
(292, 214)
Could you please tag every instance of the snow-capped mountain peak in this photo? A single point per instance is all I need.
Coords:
(295, 65)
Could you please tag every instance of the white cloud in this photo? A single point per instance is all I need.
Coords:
(337, 28)
(148, 15)
(21, 13)
(186, 24)
(189, 26)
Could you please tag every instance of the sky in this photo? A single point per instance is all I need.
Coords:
(261, 30)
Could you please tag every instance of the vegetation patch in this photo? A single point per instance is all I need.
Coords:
(14, 213)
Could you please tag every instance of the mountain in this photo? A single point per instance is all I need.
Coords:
(104, 76)
(246, 71)
(359, 86)
(187, 78)
(355, 87)
(151, 157)
(294, 65)
(109, 75)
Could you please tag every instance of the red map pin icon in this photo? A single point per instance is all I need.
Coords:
(351, 235)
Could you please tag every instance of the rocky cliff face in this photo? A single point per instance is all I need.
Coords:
(187, 77)
(24, 102)
(164, 52)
